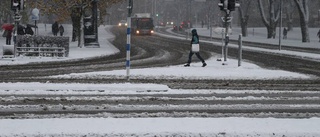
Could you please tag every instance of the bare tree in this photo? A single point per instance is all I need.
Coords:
(244, 16)
(270, 20)
(66, 9)
(289, 8)
(5, 10)
(304, 18)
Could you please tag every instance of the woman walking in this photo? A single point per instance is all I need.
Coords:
(195, 40)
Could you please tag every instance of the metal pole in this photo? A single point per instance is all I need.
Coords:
(280, 28)
(319, 17)
(35, 28)
(17, 18)
(226, 36)
(222, 44)
(240, 50)
(81, 42)
(95, 21)
(129, 38)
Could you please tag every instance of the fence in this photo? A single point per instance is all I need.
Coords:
(46, 46)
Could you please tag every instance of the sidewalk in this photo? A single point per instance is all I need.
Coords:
(75, 52)
(260, 35)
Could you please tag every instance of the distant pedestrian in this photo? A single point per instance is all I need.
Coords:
(55, 28)
(74, 35)
(195, 40)
(8, 37)
(61, 30)
(202, 24)
(285, 32)
(21, 30)
(29, 30)
(318, 35)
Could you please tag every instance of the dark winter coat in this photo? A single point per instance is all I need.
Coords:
(29, 30)
(21, 30)
(9, 33)
(285, 31)
(55, 28)
(61, 29)
(195, 37)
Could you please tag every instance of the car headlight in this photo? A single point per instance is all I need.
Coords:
(126, 24)
(119, 24)
(137, 31)
(152, 31)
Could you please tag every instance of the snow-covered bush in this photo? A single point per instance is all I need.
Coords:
(42, 45)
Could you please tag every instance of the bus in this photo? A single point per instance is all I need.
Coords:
(142, 24)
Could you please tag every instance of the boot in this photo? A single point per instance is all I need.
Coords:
(204, 64)
(187, 65)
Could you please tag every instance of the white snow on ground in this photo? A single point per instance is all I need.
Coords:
(76, 52)
(224, 127)
(214, 70)
(160, 127)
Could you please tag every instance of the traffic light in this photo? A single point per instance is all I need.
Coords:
(18, 4)
(22, 4)
(230, 5)
(130, 7)
(223, 4)
(233, 4)
(14, 4)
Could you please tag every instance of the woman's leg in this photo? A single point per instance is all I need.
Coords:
(198, 55)
(190, 57)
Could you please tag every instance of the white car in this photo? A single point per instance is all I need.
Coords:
(122, 23)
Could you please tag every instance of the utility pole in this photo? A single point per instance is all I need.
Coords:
(280, 28)
(130, 6)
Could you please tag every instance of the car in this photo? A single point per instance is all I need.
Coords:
(122, 23)
(169, 24)
(177, 28)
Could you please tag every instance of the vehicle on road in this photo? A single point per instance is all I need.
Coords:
(142, 24)
(123, 23)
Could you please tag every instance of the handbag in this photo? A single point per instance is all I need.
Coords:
(195, 47)
(5, 33)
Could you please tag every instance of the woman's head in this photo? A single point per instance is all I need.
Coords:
(194, 31)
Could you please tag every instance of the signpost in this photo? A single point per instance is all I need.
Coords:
(35, 16)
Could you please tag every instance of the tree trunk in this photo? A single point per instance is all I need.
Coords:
(244, 30)
(304, 30)
(304, 18)
(244, 16)
(75, 18)
(273, 17)
(289, 9)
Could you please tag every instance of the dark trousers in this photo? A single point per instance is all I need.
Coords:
(197, 54)
(8, 40)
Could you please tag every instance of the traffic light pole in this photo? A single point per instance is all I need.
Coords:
(226, 21)
(227, 6)
(17, 19)
(128, 38)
